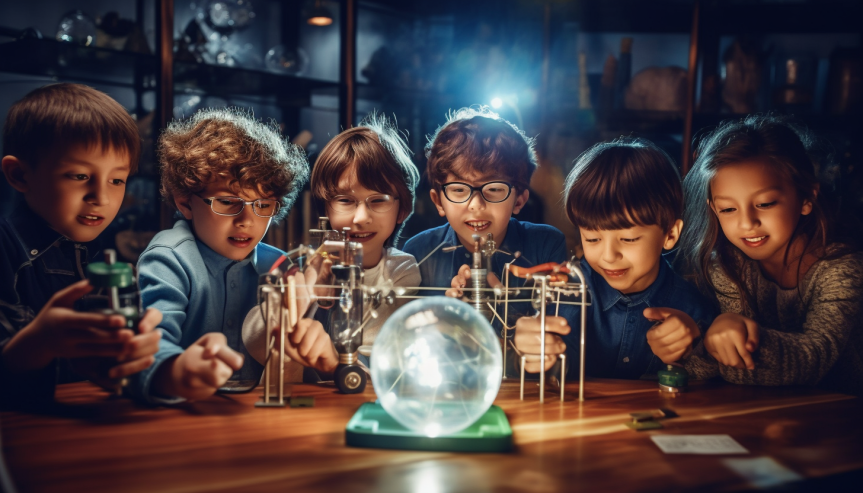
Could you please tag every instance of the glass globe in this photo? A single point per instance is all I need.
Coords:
(227, 16)
(436, 366)
(283, 60)
(76, 27)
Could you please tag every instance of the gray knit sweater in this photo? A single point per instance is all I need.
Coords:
(808, 336)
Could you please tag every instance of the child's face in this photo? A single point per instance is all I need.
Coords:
(233, 237)
(757, 209)
(79, 192)
(477, 215)
(367, 226)
(628, 259)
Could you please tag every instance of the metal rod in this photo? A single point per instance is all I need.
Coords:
(542, 340)
(692, 74)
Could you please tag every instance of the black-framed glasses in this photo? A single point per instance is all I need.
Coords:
(492, 192)
(233, 206)
(346, 204)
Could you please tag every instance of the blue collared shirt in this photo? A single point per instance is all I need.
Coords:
(36, 262)
(538, 244)
(198, 291)
(616, 340)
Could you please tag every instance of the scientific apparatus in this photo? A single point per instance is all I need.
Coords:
(116, 293)
(436, 370)
(346, 318)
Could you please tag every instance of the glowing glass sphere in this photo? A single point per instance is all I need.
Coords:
(76, 27)
(436, 366)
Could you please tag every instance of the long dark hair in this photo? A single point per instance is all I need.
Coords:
(784, 146)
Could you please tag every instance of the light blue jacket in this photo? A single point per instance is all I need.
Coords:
(198, 291)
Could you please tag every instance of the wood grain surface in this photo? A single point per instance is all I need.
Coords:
(94, 442)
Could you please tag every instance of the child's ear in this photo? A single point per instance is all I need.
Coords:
(520, 200)
(673, 235)
(184, 206)
(435, 196)
(16, 173)
(808, 204)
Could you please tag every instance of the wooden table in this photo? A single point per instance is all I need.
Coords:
(94, 442)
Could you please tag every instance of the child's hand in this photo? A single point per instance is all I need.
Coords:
(732, 339)
(527, 340)
(319, 273)
(58, 331)
(310, 345)
(672, 337)
(137, 354)
(462, 279)
(201, 369)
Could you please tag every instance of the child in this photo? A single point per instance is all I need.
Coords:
(625, 198)
(366, 181)
(230, 176)
(69, 151)
(759, 237)
(479, 167)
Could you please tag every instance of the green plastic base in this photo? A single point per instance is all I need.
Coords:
(372, 427)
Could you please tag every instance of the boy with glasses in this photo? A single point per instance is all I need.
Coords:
(364, 180)
(479, 167)
(230, 176)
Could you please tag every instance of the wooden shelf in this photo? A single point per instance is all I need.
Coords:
(67, 61)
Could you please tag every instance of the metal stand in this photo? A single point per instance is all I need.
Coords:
(286, 317)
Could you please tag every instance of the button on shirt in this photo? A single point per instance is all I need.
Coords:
(198, 291)
(616, 340)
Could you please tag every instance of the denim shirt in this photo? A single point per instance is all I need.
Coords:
(538, 244)
(36, 262)
(616, 340)
(198, 291)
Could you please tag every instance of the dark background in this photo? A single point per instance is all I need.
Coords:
(417, 60)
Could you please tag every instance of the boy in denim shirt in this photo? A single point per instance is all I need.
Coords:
(69, 150)
(626, 200)
(230, 176)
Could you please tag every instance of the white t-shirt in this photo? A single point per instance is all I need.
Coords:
(396, 266)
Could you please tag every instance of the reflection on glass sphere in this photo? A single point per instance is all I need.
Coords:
(227, 16)
(436, 366)
(76, 27)
(281, 60)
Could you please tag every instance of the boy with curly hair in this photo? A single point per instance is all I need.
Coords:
(69, 150)
(230, 176)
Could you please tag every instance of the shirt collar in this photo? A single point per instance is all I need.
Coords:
(32, 231)
(218, 262)
(610, 296)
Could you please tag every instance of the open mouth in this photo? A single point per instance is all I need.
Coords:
(755, 240)
(362, 237)
(240, 241)
(615, 273)
(478, 225)
(90, 220)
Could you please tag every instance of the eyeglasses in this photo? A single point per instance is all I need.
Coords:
(492, 192)
(233, 206)
(345, 204)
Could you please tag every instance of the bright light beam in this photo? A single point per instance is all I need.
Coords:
(496, 103)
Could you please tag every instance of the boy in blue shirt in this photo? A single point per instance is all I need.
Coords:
(230, 176)
(479, 167)
(69, 150)
(626, 199)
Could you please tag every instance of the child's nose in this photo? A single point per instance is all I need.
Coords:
(749, 219)
(98, 194)
(245, 217)
(362, 215)
(476, 202)
(609, 252)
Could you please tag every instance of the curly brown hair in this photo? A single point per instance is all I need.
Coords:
(230, 143)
